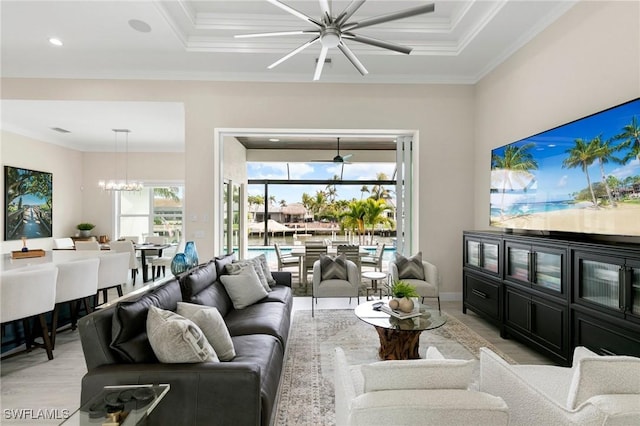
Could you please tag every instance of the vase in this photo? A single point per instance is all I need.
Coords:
(405, 305)
(85, 233)
(179, 264)
(191, 253)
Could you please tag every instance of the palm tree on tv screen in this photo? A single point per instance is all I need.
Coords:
(630, 136)
(517, 163)
(582, 155)
(604, 152)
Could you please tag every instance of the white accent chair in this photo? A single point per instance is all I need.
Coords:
(27, 293)
(87, 245)
(595, 390)
(63, 244)
(112, 273)
(163, 262)
(126, 246)
(335, 287)
(427, 288)
(77, 281)
(133, 238)
(413, 392)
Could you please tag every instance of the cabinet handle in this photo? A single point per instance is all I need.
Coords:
(607, 352)
(481, 255)
(479, 293)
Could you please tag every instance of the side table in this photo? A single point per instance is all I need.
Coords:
(374, 277)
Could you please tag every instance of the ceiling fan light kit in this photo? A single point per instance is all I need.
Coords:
(332, 30)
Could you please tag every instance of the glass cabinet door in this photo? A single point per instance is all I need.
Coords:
(548, 270)
(490, 257)
(518, 263)
(600, 283)
(634, 288)
(473, 253)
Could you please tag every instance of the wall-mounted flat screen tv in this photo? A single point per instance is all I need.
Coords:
(581, 177)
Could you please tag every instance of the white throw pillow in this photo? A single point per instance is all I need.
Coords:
(175, 339)
(212, 325)
(245, 288)
(418, 374)
(603, 375)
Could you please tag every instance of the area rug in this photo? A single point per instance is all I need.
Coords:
(306, 393)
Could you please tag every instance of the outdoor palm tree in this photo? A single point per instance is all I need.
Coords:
(353, 217)
(582, 155)
(374, 213)
(631, 139)
(604, 152)
(516, 165)
(379, 192)
(364, 189)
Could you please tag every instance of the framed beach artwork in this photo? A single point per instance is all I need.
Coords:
(581, 177)
(28, 203)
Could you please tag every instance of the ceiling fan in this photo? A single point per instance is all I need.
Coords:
(332, 30)
(338, 158)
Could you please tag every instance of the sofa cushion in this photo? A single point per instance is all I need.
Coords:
(245, 288)
(212, 325)
(197, 279)
(333, 268)
(410, 267)
(603, 375)
(272, 318)
(418, 374)
(237, 266)
(129, 325)
(279, 293)
(175, 339)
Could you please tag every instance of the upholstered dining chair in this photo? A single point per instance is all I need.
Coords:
(87, 245)
(27, 293)
(126, 246)
(421, 274)
(334, 277)
(286, 260)
(112, 273)
(65, 243)
(133, 238)
(77, 281)
(163, 262)
(374, 261)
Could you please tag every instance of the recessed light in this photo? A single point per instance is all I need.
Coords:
(274, 140)
(139, 25)
(55, 41)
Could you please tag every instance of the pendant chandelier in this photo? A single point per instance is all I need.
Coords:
(118, 184)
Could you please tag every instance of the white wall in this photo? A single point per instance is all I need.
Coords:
(587, 61)
(66, 165)
(441, 114)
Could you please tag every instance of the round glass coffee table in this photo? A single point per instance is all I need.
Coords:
(400, 338)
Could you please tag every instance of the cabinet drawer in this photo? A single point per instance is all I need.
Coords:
(604, 338)
(482, 295)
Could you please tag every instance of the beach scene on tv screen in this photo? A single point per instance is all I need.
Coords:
(583, 176)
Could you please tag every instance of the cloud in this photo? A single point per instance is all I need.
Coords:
(563, 181)
(629, 169)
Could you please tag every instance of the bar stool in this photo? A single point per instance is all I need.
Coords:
(77, 280)
(27, 293)
(112, 273)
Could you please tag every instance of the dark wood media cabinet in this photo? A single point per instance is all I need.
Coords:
(555, 293)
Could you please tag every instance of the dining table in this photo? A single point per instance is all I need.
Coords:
(144, 249)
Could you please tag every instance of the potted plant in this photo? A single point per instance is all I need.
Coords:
(85, 229)
(402, 293)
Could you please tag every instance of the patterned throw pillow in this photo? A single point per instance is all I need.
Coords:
(333, 269)
(410, 268)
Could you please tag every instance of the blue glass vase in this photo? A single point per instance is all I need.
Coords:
(191, 253)
(179, 264)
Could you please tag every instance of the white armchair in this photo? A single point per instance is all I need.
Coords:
(414, 392)
(426, 280)
(596, 390)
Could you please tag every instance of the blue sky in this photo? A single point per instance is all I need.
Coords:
(556, 183)
(293, 193)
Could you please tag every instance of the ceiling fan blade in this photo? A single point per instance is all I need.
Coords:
(349, 11)
(295, 12)
(352, 58)
(427, 8)
(293, 52)
(320, 64)
(325, 7)
(346, 157)
(378, 43)
(279, 33)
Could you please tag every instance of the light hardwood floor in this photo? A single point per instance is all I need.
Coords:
(30, 382)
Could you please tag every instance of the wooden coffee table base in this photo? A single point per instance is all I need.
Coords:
(398, 344)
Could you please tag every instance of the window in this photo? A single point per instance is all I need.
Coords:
(155, 210)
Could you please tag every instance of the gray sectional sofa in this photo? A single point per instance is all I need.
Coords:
(241, 391)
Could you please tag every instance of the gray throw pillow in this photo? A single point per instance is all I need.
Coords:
(235, 267)
(245, 288)
(175, 339)
(265, 269)
(212, 325)
(333, 268)
(411, 267)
